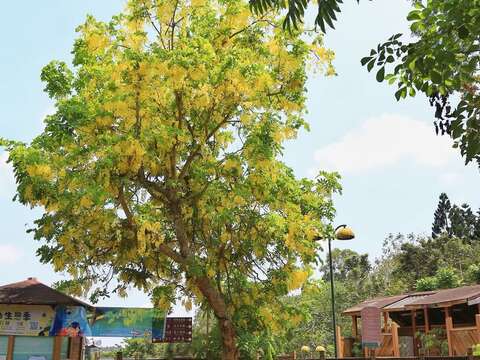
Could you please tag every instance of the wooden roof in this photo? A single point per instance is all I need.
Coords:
(405, 302)
(437, 298)
(447, 297)
(379, 302)
(33, 292)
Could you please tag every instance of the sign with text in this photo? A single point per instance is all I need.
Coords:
(176, 330)
(371, 327)
(26, 320)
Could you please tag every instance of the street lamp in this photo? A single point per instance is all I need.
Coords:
(342, 232)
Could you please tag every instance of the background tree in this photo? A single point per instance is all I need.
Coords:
(440, 219)
(160, 167)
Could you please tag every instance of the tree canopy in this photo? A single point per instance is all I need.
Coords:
(160, 167)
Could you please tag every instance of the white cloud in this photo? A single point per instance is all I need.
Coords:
(9, 254)
(385, 141)
(7, 182)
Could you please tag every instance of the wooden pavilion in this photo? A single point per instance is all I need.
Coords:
(406, 317)
(25, 307)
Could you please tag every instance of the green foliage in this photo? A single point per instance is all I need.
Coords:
(445, 278)
(476, 350)
(426, 284)
(433, 343)
(442, 63)
(327, 11)
(473, 273)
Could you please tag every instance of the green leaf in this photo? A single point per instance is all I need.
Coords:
(370, 65)
(381, 74)
(414, 15)
(436, 77)
(365, 60)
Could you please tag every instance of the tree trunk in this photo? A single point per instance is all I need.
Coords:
(227, 330)
(229, 340)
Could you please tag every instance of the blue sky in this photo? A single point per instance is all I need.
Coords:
(393, 166)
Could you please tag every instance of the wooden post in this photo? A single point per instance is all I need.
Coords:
(414, 331)
(322, 355)
(339, 343)
(448, 329)
(477, 323)
(385, 321)
(395, 341)
(470, 353)
(427, 322)
(57, 347)
(10, 347)
(354, 326)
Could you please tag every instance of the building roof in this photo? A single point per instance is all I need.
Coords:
(402, 304)
(437, 298)
(455, 295)
(379, 302)
(33, 292)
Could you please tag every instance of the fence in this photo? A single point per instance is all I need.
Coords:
(295, 356)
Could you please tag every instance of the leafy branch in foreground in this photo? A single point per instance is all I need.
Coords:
(327, 11)
(442, 63)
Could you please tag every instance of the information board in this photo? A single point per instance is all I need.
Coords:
(371, 327)
(177, 330)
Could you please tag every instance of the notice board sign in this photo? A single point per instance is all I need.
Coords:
(371, 327)
(26, 320)
(177, 330)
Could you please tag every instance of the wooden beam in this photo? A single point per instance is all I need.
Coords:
(427, 322)
(414, 331)
(10, 347)
(448, 329)
(395, 341)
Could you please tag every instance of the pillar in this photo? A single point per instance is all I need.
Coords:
(448, 329)
(395, 340)
(10, 347)
(339, 342)
(414, 331)
(355, 326)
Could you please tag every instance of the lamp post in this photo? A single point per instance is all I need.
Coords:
(342, 232)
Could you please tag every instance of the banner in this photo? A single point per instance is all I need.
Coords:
(70, 321)
(26, 320)
(73, 321)
(122, 322)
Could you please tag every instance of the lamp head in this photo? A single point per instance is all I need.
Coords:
(344, 233)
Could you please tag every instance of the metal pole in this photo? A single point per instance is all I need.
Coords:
(332, 291)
